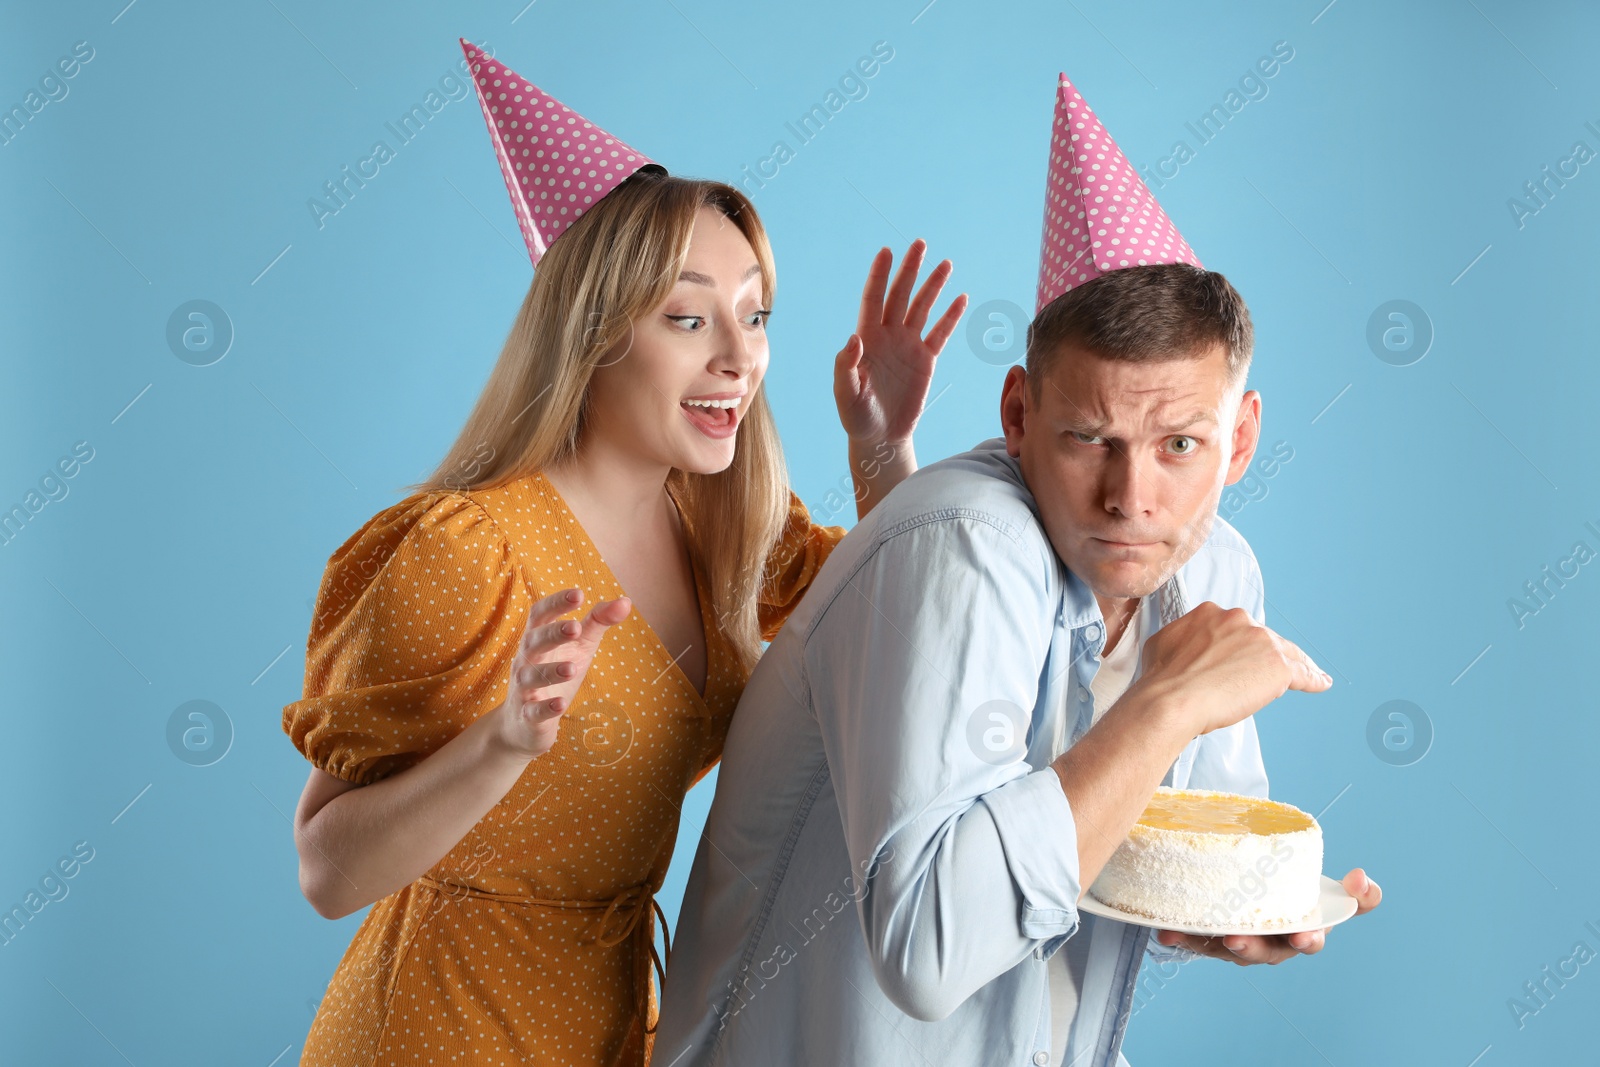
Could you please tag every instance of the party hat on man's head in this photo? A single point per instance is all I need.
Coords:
(1098, 214)
(556, 163)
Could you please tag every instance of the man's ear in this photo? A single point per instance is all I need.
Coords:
(1013, 396)
(1246, 435)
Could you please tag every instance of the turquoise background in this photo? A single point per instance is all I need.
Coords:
(1420, 498)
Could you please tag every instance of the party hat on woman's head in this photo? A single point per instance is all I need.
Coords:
(1098, 214)
(556, 163)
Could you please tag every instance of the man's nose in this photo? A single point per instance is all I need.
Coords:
(1127, 486)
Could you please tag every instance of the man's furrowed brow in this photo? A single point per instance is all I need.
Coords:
(1086, 426)
(1098, 427)
(1194, 418)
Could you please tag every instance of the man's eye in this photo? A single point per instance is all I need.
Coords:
(1086, 439)
(684, 320)
(1192, 445)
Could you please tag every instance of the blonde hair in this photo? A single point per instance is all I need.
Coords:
(611, 267)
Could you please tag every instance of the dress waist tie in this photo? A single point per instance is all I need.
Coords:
(634, 906)
(629, 913)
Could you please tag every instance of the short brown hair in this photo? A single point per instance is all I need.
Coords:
(1155, 312)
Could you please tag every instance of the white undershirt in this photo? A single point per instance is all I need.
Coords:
(1111, 679)
(1116, 668)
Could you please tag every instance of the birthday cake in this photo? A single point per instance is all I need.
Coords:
(1197, 857)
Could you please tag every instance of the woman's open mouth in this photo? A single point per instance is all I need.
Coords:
(717, 418)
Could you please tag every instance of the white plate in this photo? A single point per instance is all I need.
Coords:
(1334, 906)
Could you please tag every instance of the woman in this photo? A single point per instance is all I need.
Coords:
(501, 781)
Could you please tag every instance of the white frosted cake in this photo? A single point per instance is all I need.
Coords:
(1202, 858)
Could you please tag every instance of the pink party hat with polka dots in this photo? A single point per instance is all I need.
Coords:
(1098, 214)
(556, 163)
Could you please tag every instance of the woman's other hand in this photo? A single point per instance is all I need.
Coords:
(552, 658)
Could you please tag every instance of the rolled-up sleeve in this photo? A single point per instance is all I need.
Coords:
(941, 633)
(1027, 810)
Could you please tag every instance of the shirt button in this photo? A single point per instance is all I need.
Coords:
(1093, 632)
(1041, 1058)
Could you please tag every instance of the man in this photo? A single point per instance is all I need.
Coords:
(942, 748)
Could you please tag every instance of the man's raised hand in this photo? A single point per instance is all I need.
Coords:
(1216, 666)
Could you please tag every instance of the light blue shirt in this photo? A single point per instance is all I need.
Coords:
(889, 860)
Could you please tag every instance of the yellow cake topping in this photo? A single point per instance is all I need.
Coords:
(1222, 814)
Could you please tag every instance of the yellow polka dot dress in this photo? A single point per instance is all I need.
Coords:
(531, 941)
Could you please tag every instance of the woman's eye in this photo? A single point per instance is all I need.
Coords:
(1192, 445)
(691, 323)
(759, 318)
(1085, 439)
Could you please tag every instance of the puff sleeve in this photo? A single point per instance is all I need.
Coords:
(801, 550)
(416, 624)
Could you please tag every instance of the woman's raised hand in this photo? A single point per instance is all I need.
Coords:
(552, 658)
(881, 376)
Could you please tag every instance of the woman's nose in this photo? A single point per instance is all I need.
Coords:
(736, 348)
